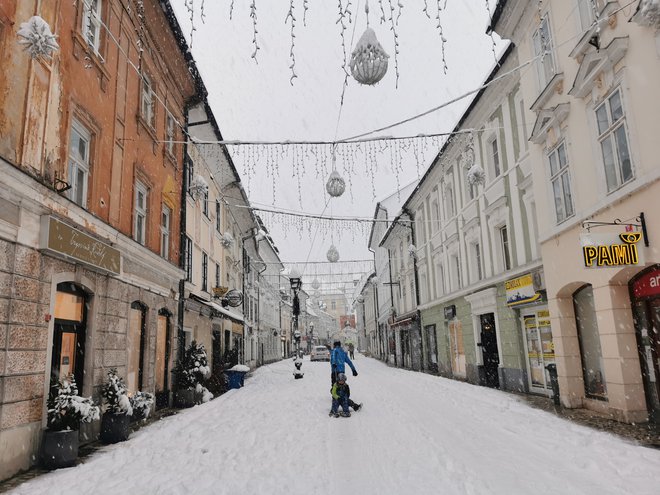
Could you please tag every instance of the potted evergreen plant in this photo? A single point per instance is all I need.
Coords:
(190, 374)
(141, 402)
(66, 410)
(116, 418)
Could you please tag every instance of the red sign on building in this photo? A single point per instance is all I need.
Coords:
(648, 285)
(347, 320)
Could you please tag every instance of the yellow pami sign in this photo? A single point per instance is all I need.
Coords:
(615, 254)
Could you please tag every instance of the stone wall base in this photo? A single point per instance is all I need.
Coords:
(17, 448)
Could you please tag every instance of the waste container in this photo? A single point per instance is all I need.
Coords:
(554, 382)
(236, 376)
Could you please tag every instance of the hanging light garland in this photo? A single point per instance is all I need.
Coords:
(369, 59)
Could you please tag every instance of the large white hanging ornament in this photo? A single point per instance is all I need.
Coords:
(199, 187)
(332, 254)
(37, 38)
(336, 185)
(648, 13)
(369, 59)
(316, 284)
(227, 240)
(476, 175)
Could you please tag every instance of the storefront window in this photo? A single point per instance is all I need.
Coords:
(540, 348)
(590, 350)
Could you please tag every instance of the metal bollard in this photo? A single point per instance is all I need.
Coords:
(554, 381)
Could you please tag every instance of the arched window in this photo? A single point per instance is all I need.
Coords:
(136, 346)
(589, 338)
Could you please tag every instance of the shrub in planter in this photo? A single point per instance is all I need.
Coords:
(66, 410)
(117, 415)
(191, 374)
(141, 402)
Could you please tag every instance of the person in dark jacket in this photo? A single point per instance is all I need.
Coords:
(340, 394)
(338, 361)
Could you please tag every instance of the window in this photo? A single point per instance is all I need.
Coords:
(91, 23)
(561, 183)
(205, 271)
(449, 200)
(440, 271)
(477, 260)
(190, 176)
(589, 339)
(188, 258)
(587, 14)
(140, 213)
(523, 123)
(470, 188)
(218, 217)
(613, 138)
(504, 243)
(165, 221)
(79, 163)
(148, 108)
(456, 268)
(205, 205)
(435, 216)
(545, 65)
(494, 157)
(217, 275)
(333, 304)
(169, 133)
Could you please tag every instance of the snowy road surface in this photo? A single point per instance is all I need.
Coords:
(417, 434)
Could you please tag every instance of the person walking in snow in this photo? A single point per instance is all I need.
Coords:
(338, 361)
(340, 396)
(351, 350)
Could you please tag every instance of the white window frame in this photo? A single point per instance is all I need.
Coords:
(169, 133)
(609, 134)
(546, 68)
(560, 180)
(78, 164)
(91, 23)
(165, 226)
(477, 261)
(205, 272)
(148, 101)
(494, 157)
(140, 212)
(450, 200)
(505, 247)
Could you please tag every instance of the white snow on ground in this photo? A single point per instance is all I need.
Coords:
(417, 434)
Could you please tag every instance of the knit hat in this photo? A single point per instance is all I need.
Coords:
(341, 377)
(336, 343)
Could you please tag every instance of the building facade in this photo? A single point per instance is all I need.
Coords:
(89, 220)
(596, 184)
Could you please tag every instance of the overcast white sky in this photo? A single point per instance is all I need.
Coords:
(255, 101)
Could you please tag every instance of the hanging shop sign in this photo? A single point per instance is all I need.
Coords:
(450, 312)
(648, 285)
(607, 250)
(62, 239)
(521, 290)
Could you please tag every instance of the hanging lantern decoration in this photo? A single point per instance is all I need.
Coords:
(336, 185)
(37, 38)
(316, 284)
(368, 60)
(476, 175)
(332, 254)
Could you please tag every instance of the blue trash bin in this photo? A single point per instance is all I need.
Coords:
(235, 379)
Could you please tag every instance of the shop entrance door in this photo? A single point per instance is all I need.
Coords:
(458, 366)
(162, 360)
(491, 356)
(68, 357)
(431, 349)
(540, 349)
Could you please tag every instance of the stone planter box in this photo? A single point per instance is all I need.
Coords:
(114, 427)
(59, 449)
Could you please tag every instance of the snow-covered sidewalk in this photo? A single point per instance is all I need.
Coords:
(417, 434)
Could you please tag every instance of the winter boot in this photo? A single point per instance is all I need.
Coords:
(333, 414)
(357, 407)
(346, 414)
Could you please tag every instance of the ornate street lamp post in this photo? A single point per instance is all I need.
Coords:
(296, 285)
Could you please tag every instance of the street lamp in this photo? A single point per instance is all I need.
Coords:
(296, 285)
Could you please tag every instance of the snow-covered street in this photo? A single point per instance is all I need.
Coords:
(416, 434)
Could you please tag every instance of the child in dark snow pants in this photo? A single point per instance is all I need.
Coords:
(340, 393)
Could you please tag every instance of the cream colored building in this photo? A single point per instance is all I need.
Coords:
(592, 94)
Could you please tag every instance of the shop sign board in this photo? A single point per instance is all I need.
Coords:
(73, 243)
(611, 250)
(450, 312)
(521, 290)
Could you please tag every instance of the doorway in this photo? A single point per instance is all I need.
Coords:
(490, 354)
(431, 349)
(162, 359)
(540, 348)
(68, 356)
(645, 291)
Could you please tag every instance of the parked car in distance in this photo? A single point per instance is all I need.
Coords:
(320, 353)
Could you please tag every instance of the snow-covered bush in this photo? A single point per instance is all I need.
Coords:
(194, 368)
(115, 394)
(66, 409)
(141, 403)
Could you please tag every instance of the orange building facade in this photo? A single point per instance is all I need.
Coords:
(91, 166)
